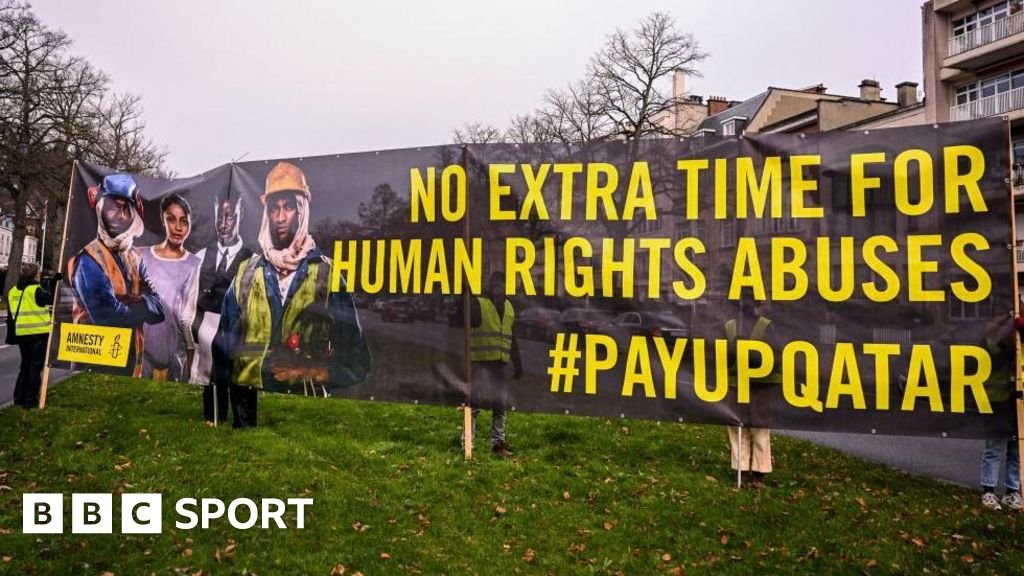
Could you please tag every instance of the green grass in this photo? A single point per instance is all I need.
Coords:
(392, 494)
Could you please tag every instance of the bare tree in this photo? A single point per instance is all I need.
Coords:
(575, 114)
(627, 71)
(477, 133)
(55, 109)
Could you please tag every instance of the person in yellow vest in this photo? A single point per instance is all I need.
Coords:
(751, 444)
(108, 277)
(30, 303)
(999, 341)
(281, 327)
(493, 349)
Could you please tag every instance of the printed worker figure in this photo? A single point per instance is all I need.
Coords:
(220, 263)
(282, 329)
(108, 278)
(751, 444)
(174, 273)
(493, 349)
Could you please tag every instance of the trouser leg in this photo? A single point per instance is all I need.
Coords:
(243, 405)
(761, 450)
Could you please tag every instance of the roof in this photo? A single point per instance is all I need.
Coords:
(748, 108)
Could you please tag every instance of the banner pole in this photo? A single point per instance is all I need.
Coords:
(56, 291)
(739, 457)
(467, 411)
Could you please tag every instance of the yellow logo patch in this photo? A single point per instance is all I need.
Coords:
(102, 345)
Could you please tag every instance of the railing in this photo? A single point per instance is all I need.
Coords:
(1018, 175)
(1020, 251)
(987, 34)
(988, 106)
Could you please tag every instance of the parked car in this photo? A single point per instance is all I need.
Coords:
(378, 305)
(397, 311)
(648, 323)
(579, 321)
(533, 323)
(423, 310)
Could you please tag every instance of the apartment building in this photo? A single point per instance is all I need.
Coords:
(973, 56)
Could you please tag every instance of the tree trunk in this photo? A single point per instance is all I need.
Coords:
(17, 241)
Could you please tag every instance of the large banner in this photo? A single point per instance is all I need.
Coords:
(854, 281)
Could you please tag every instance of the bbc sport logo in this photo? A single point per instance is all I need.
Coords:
(94, 513)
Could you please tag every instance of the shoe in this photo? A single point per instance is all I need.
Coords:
(1012, 500)
(502, 450)
(757, 481)
(991, 501)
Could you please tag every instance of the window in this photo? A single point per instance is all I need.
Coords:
(641, 225)
(959, 310)
(728, 233)
(985, 17)
(690, 229)
(1000, 84)
(729, 128)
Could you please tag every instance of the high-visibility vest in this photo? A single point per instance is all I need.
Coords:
(120, 285)
(1000, 383)
(311, 323)
(758, 332)
(30, 318)
(491, 341)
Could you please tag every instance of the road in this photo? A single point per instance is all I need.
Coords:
(9, 362)
(951, 460)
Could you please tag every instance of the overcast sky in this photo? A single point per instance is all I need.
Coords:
(275, 79)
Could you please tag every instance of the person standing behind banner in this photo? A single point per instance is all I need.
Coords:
(109, 280)
(1004, 358)
(30, 303)
(220, 262)
(282, 328)
(493, 347)
(751, 444)
(173, 271)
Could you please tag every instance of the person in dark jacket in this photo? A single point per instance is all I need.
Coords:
(30, 304)
(220, 262)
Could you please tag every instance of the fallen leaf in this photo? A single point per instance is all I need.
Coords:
(529, 555)
(678, 571)
(862, 503)
(968, 559)
(608, 525)
(499, 510)
(339, 570)
(724, 539)
(711, 479)
(7, 559)
(872, 563)
(186, 552)
(917, 542)
(565, 495)
(666, 557)
(385, 556)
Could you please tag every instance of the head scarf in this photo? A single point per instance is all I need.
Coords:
(122, 242)
(288, 259)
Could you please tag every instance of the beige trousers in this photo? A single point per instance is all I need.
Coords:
(756, 450)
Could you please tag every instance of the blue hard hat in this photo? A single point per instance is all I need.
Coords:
(120, 186)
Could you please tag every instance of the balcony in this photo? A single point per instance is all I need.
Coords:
(1020, 255)
(1012, 24)
(988, 106)
(1018, 178)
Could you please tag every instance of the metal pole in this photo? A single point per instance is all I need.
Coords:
(467, 413)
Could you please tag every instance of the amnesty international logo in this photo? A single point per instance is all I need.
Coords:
(101, 345)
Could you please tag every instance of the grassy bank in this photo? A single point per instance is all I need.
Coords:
(393, 495)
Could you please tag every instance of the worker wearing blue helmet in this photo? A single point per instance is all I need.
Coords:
(108, 277)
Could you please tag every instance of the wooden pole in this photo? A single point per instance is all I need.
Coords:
(467, 411)
(1018, 385)
(56, 292)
